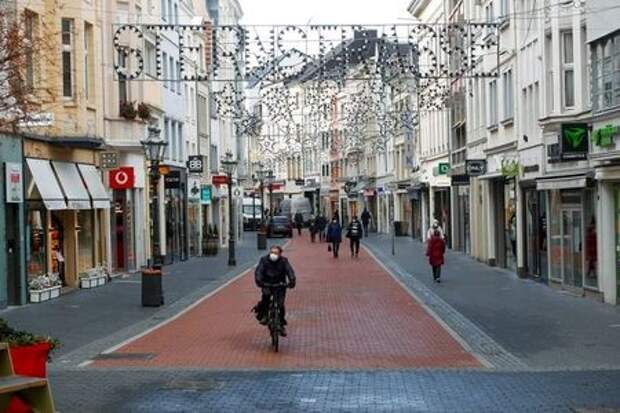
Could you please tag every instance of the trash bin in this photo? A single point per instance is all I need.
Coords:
(398, 228)
(152, 289)
(261, 240)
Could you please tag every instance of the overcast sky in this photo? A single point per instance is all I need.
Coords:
(323, 11)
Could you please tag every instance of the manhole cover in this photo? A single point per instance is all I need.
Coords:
(125, 356)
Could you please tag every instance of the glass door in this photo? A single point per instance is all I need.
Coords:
(572, 251)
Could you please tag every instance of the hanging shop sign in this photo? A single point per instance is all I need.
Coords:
(193, 189)
(475, 167)
(604, 137)
(205, 195)
(219, 180)
(14, 182)
(109, 160)
(442, 169)
(195, 164)
(574, 142)
(122, 178)
(460, 180)
(173, 180)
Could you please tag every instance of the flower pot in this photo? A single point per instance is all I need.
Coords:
(28, 361)
(39, 296)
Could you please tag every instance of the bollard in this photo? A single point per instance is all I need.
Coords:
(152, 289)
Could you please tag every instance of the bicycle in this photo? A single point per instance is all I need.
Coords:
(274, 321)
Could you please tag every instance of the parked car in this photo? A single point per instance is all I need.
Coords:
(251, 213)
(280, 225)
(290, 206)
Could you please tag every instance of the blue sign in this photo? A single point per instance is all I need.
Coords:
(205, 195)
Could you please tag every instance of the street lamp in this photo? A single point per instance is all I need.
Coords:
(154, 149)
(270, 179)
(229, 165)
(260, 176)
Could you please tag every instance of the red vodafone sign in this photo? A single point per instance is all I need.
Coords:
(220, 180)
(122, 178)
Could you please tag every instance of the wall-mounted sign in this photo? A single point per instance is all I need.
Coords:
(574, 142)
(109, 160)
(122, 178)
(173, 180)
(604, 137)
(475, 167)
(14, 182)
(195, 164)
(205, 195)
(460, 180)
(193, 189)
(443, 168)
(299, 182)
(219, 180)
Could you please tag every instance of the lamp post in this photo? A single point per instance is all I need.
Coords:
(229, 165)
(270, 178)
(154, 148)
(260, 175)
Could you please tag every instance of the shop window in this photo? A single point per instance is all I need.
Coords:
(589, 213)
(37, 240)
(67, 57)
(86, 241)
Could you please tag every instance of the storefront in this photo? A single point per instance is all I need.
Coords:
(175, 213)
(460, 216)
(194, 215)
(415, 199)
(536, 244)
(65, 222)
(572, 232)
(504, 204)
(370, 203)
(441, 210)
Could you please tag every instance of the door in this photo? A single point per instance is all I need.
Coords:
(12, 254)
(572, 248)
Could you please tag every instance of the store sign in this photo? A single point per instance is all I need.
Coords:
(475, 167)
(173, 180)
(219, 180)
(193, 189)
(14, 182)
(460, 180)
(122, 178)
(574, 142)
(299, 182)
(604, 137)
(443, 168)
(195, 164)
(205, 195)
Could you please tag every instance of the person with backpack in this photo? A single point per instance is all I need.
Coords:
(354, 233)
(435, 250)
(334, 237)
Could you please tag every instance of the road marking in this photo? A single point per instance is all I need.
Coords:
(449, 329)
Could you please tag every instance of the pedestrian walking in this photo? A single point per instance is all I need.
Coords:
(435, 251)
(435, 227)
(299, 222)
(336, 216)
(334, 237)
(354, 233)
(366, 217)
(322, 224)
(314, 229)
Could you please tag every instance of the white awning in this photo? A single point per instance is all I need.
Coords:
(95, 187)
(72, 185)
(562, 183)
(492, 175)
(46, 183)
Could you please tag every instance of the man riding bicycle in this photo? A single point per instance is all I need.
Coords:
(273, 269)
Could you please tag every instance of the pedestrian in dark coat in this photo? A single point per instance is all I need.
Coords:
(299, 222)
(436, 247)
(334, 236)
(366, 217)
(354, 233)
(314, 228)
(322, 224)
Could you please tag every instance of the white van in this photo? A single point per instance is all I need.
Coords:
(290, 206)
(251, 213)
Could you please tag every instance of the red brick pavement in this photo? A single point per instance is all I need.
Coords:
(344, 313)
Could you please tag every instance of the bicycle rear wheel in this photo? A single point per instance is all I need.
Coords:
(275, 328)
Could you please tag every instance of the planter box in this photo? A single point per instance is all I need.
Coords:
(92, 282)
(38, 296)
(27, 361)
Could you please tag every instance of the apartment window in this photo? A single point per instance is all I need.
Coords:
(549, 78)
(176, 13)
(122, 81)
(201, 116)
(163, 9)
(568, 72)
(167, 137)
(508, 95)
(67, 57)
(489, 13)
(171, 72)
(178, 77)
(503, 10)
(180, 154)
(169, 9)
(492, 103)
(88, 71)
(213, 158)
(165, 66)
(149, 59)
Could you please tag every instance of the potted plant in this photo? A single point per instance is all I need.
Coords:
(144, 112)
(29, 354)
(94, 277)
(44, 287)
(127, 110)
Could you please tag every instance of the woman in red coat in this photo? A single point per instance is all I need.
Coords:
(435, 249)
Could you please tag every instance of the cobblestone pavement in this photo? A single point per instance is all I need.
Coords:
(344, 313)
(543, 327)
(151, 390)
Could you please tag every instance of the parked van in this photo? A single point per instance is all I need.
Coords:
(251, 213)
(290, 206)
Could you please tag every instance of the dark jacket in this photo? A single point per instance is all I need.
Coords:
(269, 272)
(436, 247)
(354, 230)
(334, 232)
(299, 219)
(365, 217)
(321, 222)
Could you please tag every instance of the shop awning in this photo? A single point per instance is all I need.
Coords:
(72, 185)
(95, 187)
(46, 183)
(565, 182)
(492, 175)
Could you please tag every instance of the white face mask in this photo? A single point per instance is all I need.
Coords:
(273, 257)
